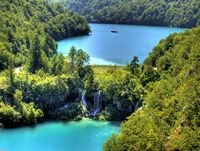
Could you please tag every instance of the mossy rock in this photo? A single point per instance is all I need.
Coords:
(1, 125)
(78, 118)
(111, 113)
(75, 111)
(101, 117)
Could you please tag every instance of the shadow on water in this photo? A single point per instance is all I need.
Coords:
(63, 122)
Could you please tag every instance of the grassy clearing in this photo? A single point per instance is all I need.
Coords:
(103, 69)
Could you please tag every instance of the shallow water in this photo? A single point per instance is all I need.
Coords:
(105, 47)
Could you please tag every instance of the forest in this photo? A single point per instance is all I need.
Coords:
(158, 100)
(30, 25)
(28, 34)
(37, 83)
(178, 13)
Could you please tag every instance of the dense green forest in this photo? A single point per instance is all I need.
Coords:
(169, 117)
(181, 13)
(37, 83)
(28, 34)
(30, 25)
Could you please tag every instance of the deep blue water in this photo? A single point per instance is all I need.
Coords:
(85, 135)
(105, 47)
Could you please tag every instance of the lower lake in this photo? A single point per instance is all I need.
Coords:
(84, 135)
(109, 48)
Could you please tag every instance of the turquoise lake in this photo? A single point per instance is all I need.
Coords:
(105, 47)
(85, 135)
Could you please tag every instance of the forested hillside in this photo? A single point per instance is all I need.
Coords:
(169, 117)
(181, 13)
(28, 25)
(28, 34)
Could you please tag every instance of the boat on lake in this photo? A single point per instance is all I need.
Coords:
(114, 31)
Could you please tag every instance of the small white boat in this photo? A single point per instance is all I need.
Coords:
(114, 31)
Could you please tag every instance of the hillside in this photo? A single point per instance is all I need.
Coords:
(27, 23)
(169, 117)
(28, 34)
(180, 13)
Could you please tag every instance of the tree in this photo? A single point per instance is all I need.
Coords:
(82, 63)
(8, 115)
(149, 74)
(5, 56)
(18, 97)
(78, 62)
(57, 64)
(37, 59)
(89, 84)
(134, 66)
(11, 74)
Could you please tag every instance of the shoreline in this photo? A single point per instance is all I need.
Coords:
(58, 120)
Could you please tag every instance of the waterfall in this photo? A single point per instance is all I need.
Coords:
(83, 99)
(65, 107)
(137, 104)
(97, 103)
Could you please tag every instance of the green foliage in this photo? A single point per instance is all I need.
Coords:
(89, 83)
(18, 97)
(37, 58)
(30, 68)
(181, 13)
(47, 93)
(78, 65)
(134, 66)
(64, 26)
(5, 57)
(74, 111)
(120, 89)
(148, 75)
(22, 113)
(29, 114)
(28, 32)
(8, 114)
(111, 113)
(57, 64)
(78, 62)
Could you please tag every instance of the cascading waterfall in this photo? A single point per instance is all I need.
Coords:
(83, 99)
(97, 103)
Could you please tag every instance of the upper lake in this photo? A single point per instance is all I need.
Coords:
(105, 47)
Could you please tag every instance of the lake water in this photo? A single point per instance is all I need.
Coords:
(85, 135)
(105, 47)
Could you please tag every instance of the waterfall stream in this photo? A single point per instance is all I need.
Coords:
(97, 103)
(137, 105)
(83, 99)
